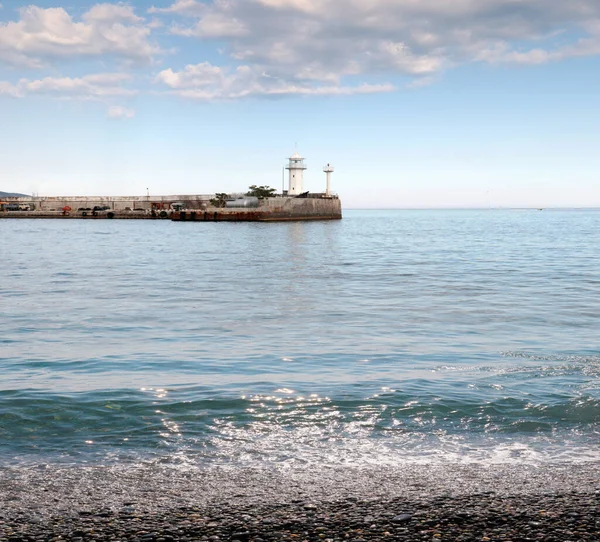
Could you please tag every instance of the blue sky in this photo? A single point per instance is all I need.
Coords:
(417, 103)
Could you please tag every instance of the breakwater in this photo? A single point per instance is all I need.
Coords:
(179, 208)
(119, 204)
(270, 210)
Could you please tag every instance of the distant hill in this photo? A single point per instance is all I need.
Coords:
(12, 195)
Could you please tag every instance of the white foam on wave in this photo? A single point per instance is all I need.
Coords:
(355, 447)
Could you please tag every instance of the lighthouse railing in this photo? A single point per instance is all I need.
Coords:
(296, 164)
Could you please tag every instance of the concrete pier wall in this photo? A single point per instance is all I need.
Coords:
(269, 210)
(115, 203)
(196, 208)
(293, 208)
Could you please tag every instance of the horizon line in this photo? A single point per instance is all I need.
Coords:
(501, 208)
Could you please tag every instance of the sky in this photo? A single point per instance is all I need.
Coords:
(416, 103)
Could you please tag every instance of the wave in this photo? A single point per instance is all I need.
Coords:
(284, 426)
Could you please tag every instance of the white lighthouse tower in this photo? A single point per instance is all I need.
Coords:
(328, 169)
(296, 168)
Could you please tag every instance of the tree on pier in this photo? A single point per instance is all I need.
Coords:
(260, 192)
(219, 199)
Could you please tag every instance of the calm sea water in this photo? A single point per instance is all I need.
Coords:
(387, 337)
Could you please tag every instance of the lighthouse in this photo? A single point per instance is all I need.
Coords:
(328, 169)
(296, 167)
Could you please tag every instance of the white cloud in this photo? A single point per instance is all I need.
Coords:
(119, 112)
(112, 13)
(182, 7)
(106, 29)
(502, 53)
(154, 24)
(8, 89)
(213, 25)
(298, 47)
(327, 41)
(207, 82)
(192, 76)
(87, 87)
(100, 86)
(403, 59)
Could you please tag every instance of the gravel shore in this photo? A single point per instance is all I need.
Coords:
(418, 503)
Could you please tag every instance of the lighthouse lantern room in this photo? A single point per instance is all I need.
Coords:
(296, 167)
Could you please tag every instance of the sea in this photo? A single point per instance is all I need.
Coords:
(390, 337)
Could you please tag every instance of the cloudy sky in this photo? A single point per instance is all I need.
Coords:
(417, 103)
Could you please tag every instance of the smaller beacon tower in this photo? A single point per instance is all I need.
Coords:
(328, 169)
(296, 168)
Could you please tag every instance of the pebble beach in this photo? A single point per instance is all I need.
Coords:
(419, 502)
